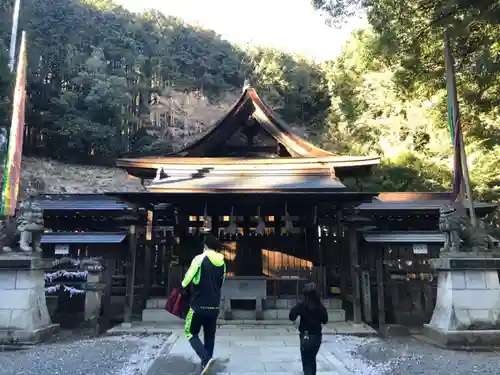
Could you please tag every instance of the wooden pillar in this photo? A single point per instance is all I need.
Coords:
(215, 225)
(380, 289)
(107, 278)
(355, 274)
(277, 239)
(343, 273)
(129, 304)
(148, 247)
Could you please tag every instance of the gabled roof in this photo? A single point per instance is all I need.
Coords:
(204, 153)
(250, 103)
(418, 202)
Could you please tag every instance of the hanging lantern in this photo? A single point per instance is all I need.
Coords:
(232, 228)
(288, 221)
(261, 225)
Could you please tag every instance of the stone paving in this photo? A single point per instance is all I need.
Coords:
(273, 351)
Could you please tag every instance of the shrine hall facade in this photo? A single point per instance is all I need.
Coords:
(278, 204)
(276, 200)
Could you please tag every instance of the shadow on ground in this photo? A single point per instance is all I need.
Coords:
(179, 365)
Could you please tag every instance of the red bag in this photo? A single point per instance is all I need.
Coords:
(177, 303)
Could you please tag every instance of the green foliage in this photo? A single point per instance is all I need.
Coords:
(94, 69)
(389, 95)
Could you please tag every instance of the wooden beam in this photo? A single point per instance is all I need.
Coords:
(131, 275)
(109, 268)
(148, 245)
(355, 274)
(380, 290)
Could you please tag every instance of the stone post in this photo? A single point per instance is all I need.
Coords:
(467, 311)
(94, 290)
(24, 318)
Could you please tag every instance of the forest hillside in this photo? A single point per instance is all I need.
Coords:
(105, 83)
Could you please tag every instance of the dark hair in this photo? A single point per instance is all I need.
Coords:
(211, 242)
(311, 295)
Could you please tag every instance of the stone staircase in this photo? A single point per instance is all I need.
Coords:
(275, 312)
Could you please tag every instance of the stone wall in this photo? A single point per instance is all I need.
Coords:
(52, 177)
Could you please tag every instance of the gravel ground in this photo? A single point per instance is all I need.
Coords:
(119, 355)
(409, 356)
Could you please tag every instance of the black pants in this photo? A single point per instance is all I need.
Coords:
(309, 348)
(194, 322)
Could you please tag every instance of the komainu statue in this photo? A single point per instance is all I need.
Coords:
(9, 235)
(460, 235)
(26, 228)
(30, 225)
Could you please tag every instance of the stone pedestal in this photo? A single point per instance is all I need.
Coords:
(467, 311)
(244, 288)
(24, 318)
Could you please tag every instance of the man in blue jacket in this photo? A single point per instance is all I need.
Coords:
(206, 274)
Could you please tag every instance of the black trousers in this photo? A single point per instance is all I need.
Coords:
(194, 322)
(309, 347)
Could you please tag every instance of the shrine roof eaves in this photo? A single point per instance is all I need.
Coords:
(247, 184)
(408, 237)
(80, 202)
(83, 237)
(416, 205)
(147, 167)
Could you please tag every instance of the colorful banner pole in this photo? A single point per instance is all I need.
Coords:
(13, 35)
(462, 191)
(12, 170)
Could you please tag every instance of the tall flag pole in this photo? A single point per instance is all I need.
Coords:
(13, 35)
(462, 191)
(12, 169)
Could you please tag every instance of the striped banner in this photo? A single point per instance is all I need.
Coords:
(12, 171)
(458, 193)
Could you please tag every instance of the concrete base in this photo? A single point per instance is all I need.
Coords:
(393, 330)
(253, 328)
(478, 340)
(24, 317)
(467, 311)
(273, 310)
(25, 337)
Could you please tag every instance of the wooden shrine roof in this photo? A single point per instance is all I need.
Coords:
(417, 202)
(83, 237)
(250, 103)
(206, 151)
(414, 237)
(80, 202)
(232, 197)
(247, 184)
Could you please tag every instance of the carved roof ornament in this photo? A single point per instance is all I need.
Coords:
(160, 175)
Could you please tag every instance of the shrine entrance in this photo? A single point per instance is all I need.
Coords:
(275, 247)
(274, 199)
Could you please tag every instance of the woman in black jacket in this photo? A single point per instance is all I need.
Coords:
(312, 316)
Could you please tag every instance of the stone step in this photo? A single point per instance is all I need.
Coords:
(334, 315)
(269, 303)
(288, 303)
(161, 316)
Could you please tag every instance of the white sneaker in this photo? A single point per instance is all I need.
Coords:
(209, 364)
